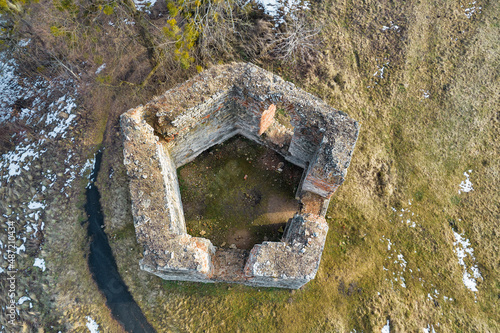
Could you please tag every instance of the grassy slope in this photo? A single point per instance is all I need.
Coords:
(411, 149)
(63, 295)
(68, 287)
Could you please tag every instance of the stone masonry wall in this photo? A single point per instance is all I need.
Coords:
(172, 191)
(174, 128)
(205, 127)
(158, 216)
(292, 262)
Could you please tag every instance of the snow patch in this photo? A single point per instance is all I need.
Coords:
(10, 91)
(471, 9)
(462, 249)
(466, 185)
(35, 205)
(55, 120)
(92, 325)
(429, 329)
(386, 328)
(24, 42)
(144, 5)
(21, 247)
(21, 156)
(389, 244)
(405, 216)
(40, 263)
(46, 108)
(379, 74)
(391, 26)
(100, 67)
(279, 9)
(23, 299)
(87, 168)
(393, 260)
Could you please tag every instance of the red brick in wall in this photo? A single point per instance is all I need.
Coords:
(267, 118)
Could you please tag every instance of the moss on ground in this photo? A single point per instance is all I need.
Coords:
(238, 193)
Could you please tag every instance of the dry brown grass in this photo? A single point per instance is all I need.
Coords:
(410, 148)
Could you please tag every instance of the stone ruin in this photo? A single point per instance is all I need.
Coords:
(217, 104)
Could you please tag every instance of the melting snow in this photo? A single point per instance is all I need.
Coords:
(10, 91)
(35, 205)
(397, 276)
(380, 70)
(24, 42)
(88, 166)
(144, 5)
(471, 9)
(100, 67)
(92, 325)
(23, 299)
(20, 248)
(40, 263)
(20, 156)
(49, 114)
(466, 185)
(288, 7)
(58, 117)
(406, 216)
(386, 328)
(402, 262)
(389, 244)
(429, 329)
(391, 26)
(434, 294)
(462, 249)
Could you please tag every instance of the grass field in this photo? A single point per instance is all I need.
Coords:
(407, 246)
(429, 116)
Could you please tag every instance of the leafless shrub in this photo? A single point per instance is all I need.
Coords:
(257, 40)
(298, 39)
(290, 36)
(217, 27)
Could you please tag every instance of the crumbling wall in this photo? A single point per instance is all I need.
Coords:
(292, 262)
(200, 128)
(182, 257)
(328, 169)
(304, 145)
(207, 110)
(150, 204)
(172, 191)
(157, 208)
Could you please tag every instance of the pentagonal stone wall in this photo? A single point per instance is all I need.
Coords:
(221, 102)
